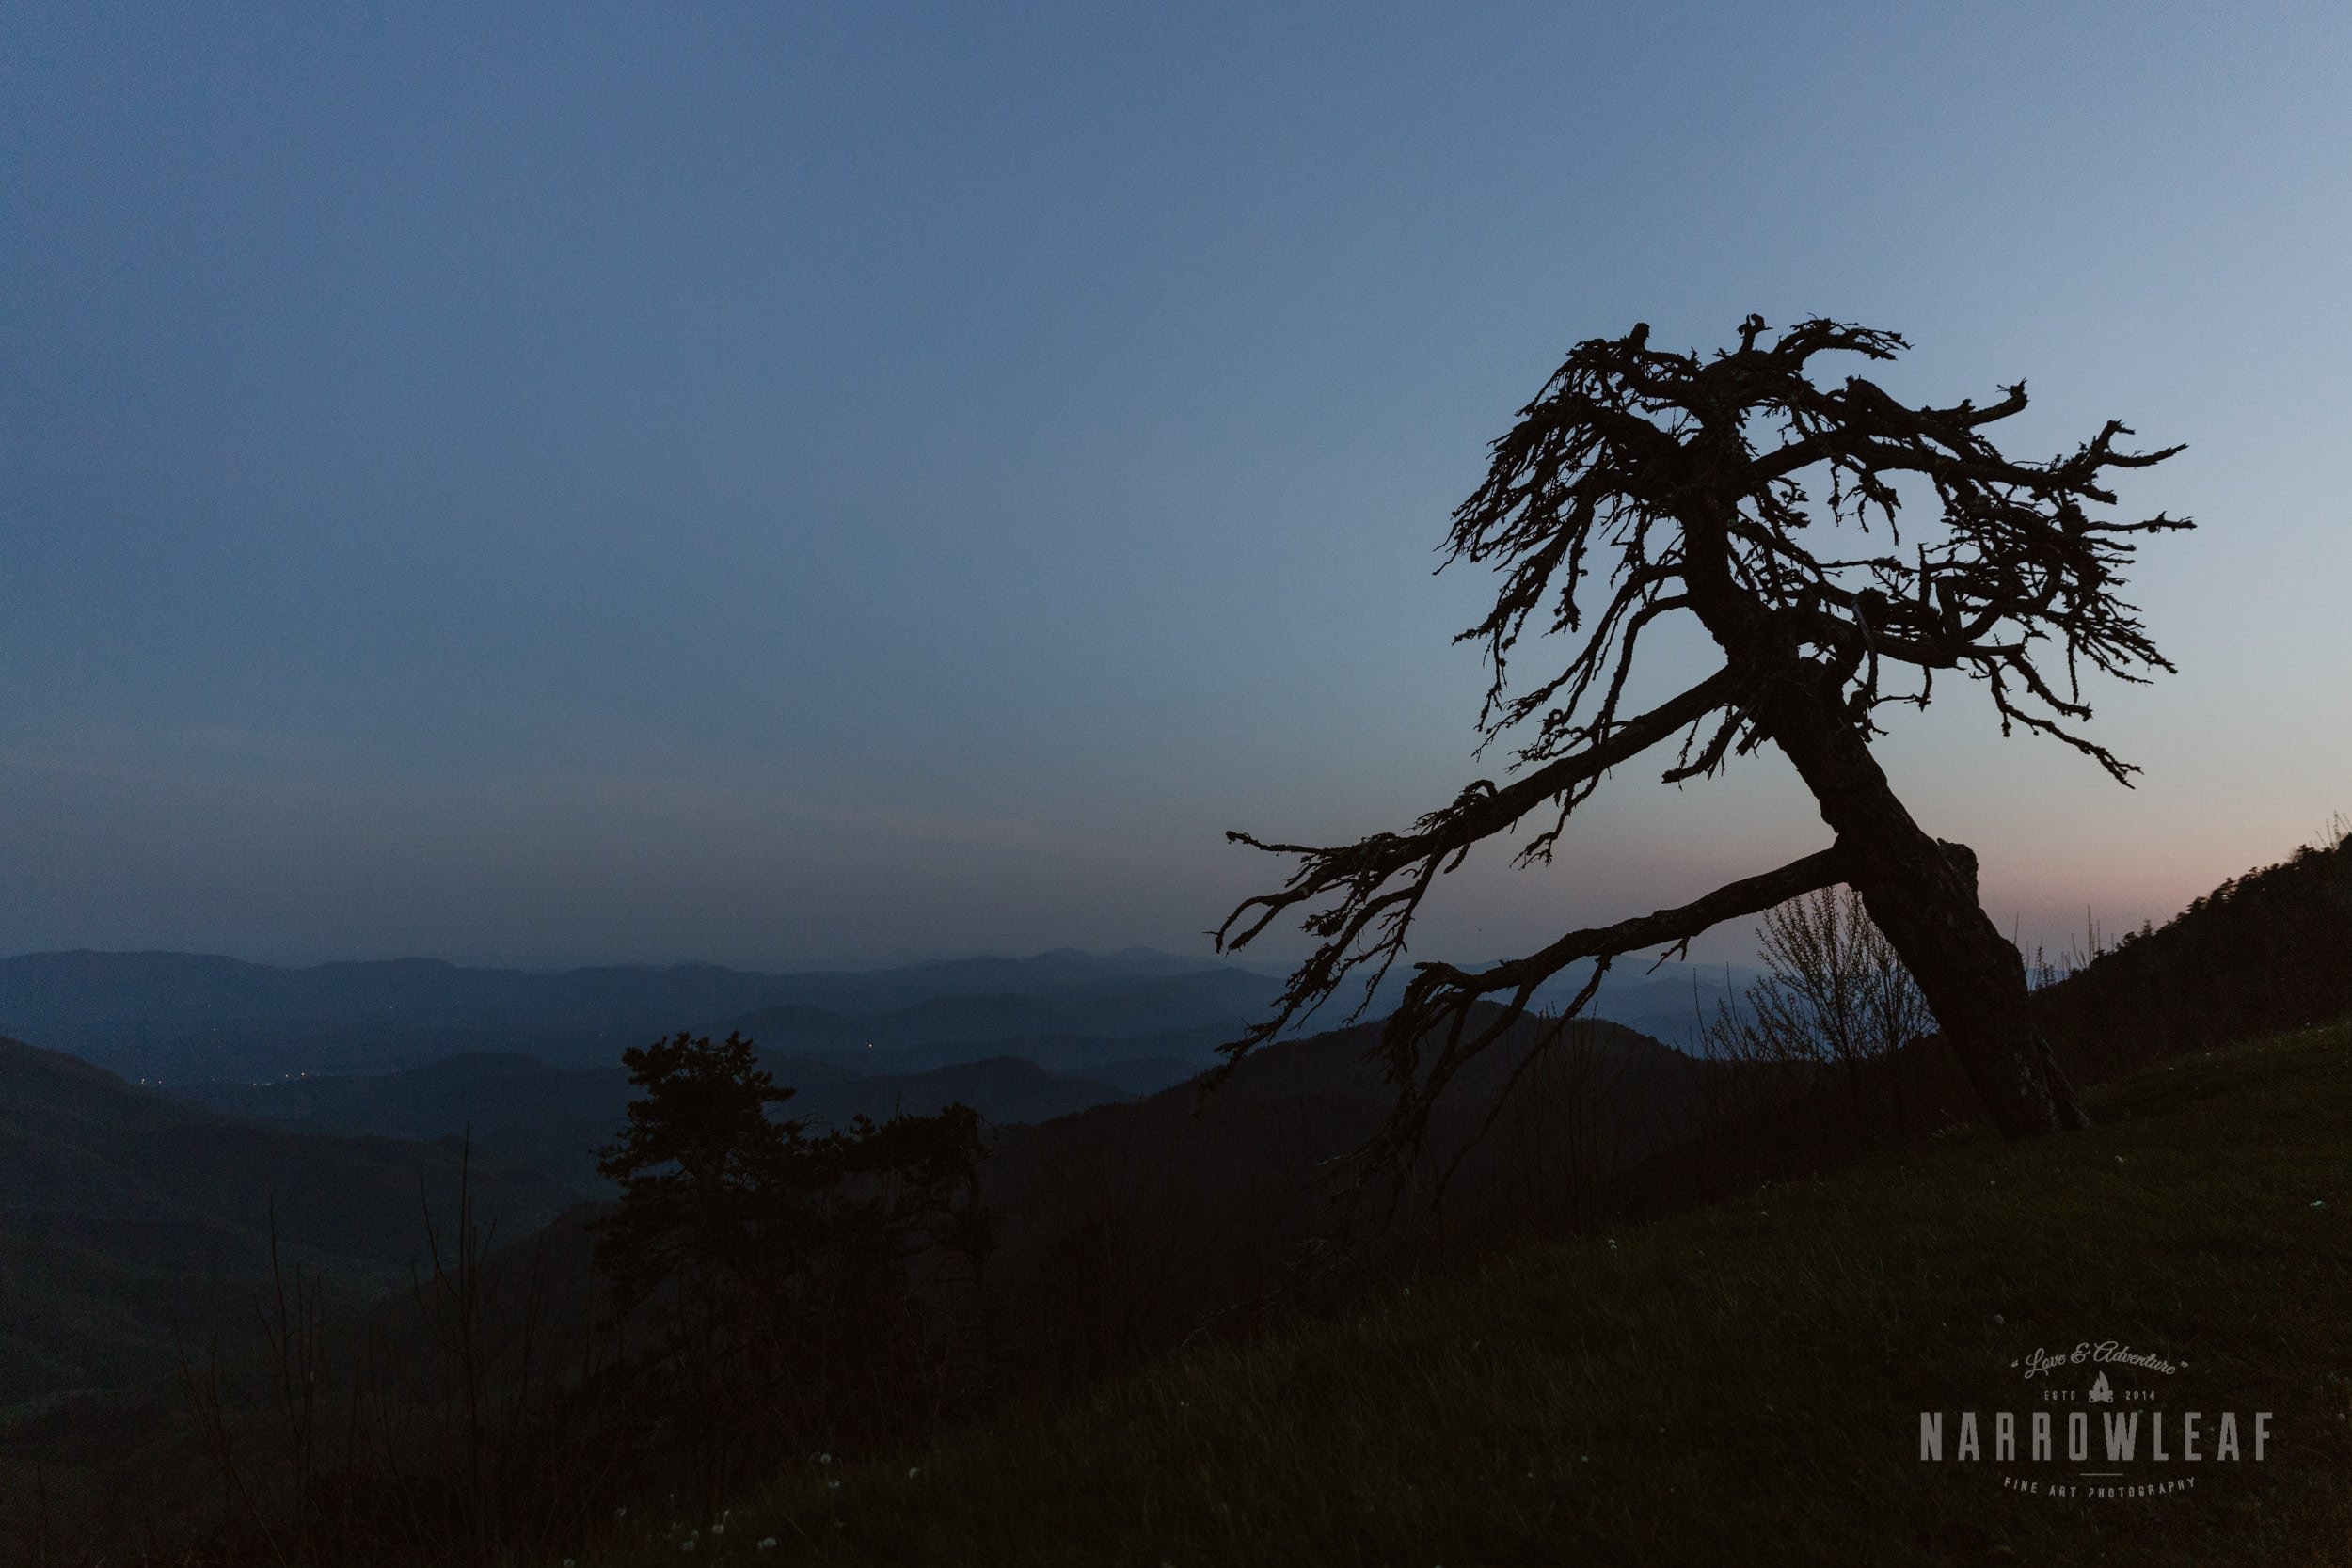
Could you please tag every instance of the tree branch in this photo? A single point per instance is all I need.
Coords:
(1440, 998)
(1360, 873)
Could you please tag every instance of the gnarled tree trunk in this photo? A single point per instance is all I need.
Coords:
(1921, 892)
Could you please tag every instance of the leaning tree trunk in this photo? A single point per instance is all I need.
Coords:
(1922, 894)
(1974, 981)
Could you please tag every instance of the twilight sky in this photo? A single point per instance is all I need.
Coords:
(779, 484)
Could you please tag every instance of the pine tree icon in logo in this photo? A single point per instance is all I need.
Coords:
(2100, 1393)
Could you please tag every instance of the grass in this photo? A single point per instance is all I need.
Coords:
(1737, 1384)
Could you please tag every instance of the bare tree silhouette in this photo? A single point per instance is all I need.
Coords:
(1720, 485)
(1834, 995)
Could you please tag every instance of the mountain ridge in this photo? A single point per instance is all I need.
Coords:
(124, 1212)
(179, 1017)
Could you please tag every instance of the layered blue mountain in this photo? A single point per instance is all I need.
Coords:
(528, 1064)
(185, 1018)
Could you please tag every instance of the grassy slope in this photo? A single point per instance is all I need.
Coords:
(1739, 1385)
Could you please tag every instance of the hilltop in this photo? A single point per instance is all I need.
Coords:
(183, 1018)
(2269, 950)
(126, 1215)
(1740, 1384)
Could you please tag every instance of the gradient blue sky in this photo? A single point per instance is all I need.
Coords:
(776, 483)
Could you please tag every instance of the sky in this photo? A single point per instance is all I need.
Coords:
(782, 484)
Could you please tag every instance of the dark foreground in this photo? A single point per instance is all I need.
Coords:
(1742, 1383)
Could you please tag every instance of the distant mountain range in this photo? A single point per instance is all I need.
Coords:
(185, 1018)
(334, 1091)
(528, 1063)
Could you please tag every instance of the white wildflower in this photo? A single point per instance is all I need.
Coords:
(767, 1543)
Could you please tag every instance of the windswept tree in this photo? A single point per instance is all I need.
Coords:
(1767, 506)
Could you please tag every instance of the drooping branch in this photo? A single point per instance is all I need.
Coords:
(1376, 885)
(1440, 999)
